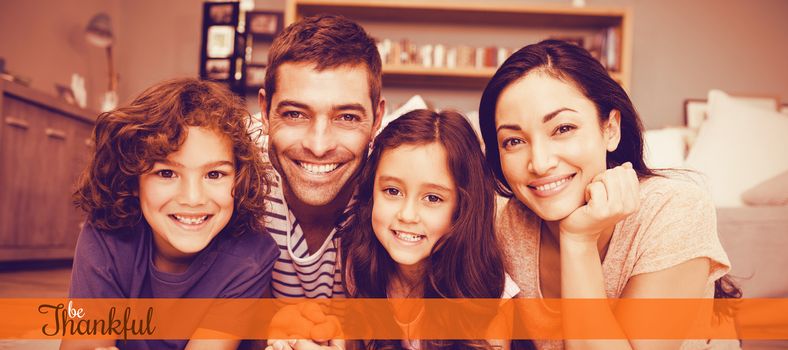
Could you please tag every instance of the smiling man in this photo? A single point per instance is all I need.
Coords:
(321, 107)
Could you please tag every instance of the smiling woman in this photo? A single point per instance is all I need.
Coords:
(588, 219)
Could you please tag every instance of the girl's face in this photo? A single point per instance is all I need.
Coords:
(187, 198)
(413, 202)
(551, 144)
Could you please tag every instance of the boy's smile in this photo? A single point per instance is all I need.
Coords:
(187, 198)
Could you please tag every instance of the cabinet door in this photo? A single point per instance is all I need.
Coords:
(19, 180)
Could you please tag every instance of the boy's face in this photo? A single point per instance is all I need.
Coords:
(319, 128)
(187, 199)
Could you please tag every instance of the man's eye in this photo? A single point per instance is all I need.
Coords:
(433, 198)
(349, 117)
(215, 175)
(293, 114)
(391, 191)
(166, 173)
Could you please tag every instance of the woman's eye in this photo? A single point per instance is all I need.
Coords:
(563, 129)
(433, 198)
(215, 175)
(511, 142)
(391, 191)
(166, 173)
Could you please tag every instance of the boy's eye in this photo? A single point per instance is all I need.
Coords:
(433, 198)
(562, 129)
(349, 117)
(391, 191)
(166, 173)
(215, 175)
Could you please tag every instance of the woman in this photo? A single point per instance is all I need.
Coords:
(589, 219)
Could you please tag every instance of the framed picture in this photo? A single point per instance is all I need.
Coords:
(264, 23)
(66, 94)
(255, 75)
(217, 69)
(221, 13)
(221, 41)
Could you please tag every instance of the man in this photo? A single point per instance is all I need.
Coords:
(321, 107)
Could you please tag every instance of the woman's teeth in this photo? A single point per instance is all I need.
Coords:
(552, 185)
(318, 168)
(407, 236)
(190, 220)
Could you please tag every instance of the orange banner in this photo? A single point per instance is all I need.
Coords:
(394, 318)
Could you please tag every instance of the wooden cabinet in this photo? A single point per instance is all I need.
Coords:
(475, 25)
(44, 146)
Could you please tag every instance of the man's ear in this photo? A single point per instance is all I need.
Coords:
(613, 130)
(263, 109)
(380, 112)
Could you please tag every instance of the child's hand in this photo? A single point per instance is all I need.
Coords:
(303, 321)
(610, 197)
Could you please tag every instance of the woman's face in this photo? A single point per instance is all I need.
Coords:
(551, 143)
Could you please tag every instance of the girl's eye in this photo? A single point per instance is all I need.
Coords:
(214, 175)
(166, 173)
(391, 191)
(511, 142)
(433, 198)
(349, 117)
(563, 129)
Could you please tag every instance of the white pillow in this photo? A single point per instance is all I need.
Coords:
(415, 102)
(665, 148)
(737, 147)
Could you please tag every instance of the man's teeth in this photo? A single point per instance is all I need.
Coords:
(410, 237)
(553, 185)
(318, 168)
(191, 220)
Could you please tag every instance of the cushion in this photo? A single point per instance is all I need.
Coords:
(738, 147)
(665, 148)
(415, 102)
(773, 191)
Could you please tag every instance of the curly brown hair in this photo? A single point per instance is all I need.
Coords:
(131, 139)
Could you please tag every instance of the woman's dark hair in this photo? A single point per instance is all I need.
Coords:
(131, 139)
(574, 65)
(369, 268)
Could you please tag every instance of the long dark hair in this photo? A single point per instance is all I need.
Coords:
(369, 268)
(574, 65)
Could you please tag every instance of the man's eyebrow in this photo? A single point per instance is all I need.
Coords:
(350, 106)
(291, 103)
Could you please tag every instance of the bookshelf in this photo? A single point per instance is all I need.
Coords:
(478, 25)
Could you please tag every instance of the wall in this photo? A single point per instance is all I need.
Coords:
(44, 40)
(681, 48)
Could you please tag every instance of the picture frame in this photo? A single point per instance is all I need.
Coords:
(255, 75)
(220, 41)
(218, 69)
(265, 24)
(221, 13)
(66, 94)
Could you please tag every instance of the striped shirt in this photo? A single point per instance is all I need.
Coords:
(296, 273)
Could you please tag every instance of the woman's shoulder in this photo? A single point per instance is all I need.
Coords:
(678, 187)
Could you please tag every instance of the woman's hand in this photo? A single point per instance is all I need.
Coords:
(610, 197)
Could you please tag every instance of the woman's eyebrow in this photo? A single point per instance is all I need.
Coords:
(554, 113)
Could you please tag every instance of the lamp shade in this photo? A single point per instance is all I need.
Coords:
(99, 30)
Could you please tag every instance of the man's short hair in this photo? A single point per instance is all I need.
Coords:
(327, 41)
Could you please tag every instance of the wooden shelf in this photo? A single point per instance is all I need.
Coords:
(510, 17)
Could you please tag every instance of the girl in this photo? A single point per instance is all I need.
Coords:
(588, 219)
(423, 227)
(174, 197)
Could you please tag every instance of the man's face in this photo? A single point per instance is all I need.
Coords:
(320, 124)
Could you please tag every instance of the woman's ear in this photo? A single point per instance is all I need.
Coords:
(613, 130)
